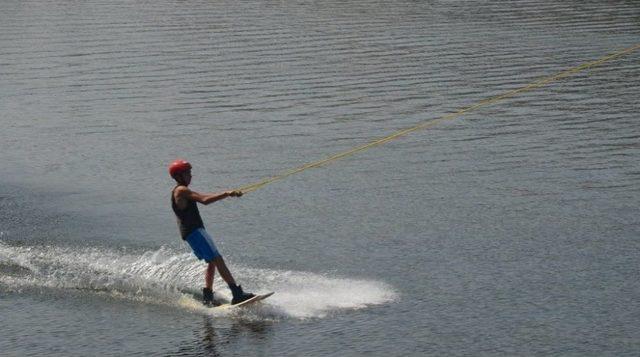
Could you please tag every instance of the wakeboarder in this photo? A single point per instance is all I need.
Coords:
(184, 203)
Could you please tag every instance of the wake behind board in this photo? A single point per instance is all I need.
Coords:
(246, 302)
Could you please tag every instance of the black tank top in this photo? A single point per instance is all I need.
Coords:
(189, 218)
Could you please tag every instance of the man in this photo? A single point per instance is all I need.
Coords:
(184, 203)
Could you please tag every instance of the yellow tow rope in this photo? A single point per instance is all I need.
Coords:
(430, 123)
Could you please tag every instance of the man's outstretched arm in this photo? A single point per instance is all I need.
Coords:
(205, 198)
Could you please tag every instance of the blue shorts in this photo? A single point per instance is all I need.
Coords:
(202, 245)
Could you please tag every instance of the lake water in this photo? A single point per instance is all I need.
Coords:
(511, 230)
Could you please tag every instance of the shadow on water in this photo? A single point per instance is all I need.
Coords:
(215, 340)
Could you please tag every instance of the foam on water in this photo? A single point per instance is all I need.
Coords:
(169, 277)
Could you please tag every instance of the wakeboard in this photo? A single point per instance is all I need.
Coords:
(247, 302)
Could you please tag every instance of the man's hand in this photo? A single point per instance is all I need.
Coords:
(234, 193)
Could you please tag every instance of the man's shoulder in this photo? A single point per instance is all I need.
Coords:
(181, 190)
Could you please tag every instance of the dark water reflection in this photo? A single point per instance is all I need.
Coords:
(220, 339)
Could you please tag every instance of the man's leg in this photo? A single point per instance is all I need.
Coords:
(238, 294)
(208, 275)
(218, 262)
(207, 293)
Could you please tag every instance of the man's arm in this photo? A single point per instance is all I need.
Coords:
(183, 193)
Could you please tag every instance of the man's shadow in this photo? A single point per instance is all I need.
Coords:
(218, 341)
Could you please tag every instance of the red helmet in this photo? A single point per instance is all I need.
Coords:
(179, 166)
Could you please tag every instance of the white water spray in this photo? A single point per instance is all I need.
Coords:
(169, 277)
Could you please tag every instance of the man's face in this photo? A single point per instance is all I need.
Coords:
(186, 177)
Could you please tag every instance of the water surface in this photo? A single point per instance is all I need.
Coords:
(512, 230)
